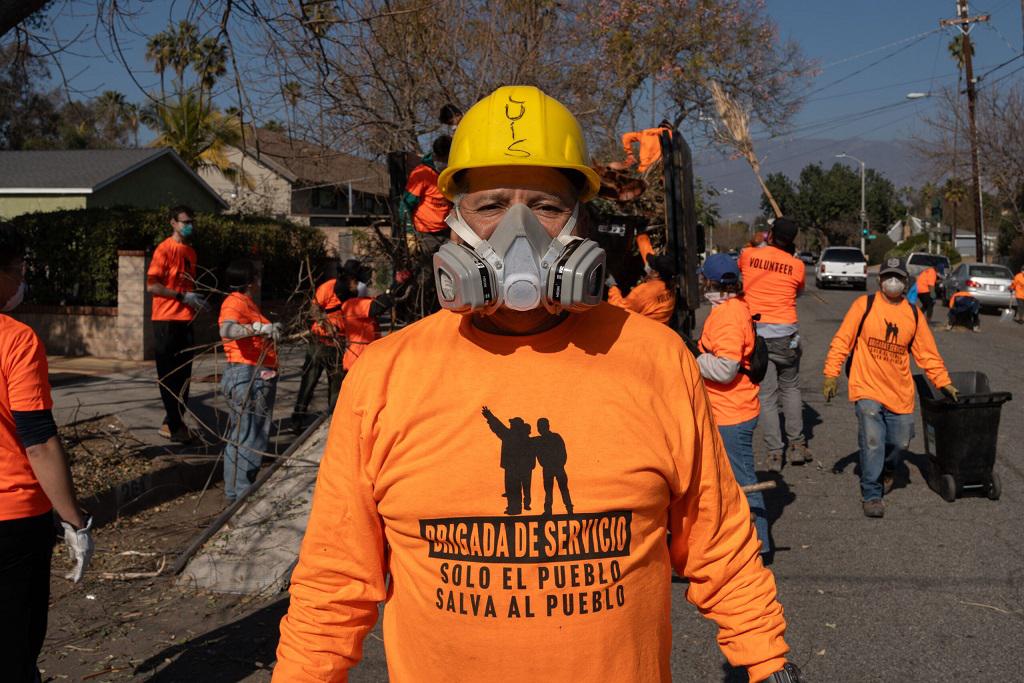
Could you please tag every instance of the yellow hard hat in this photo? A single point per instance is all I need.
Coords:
(518, 125)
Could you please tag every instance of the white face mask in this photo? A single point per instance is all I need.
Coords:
(15, 300)
(716, 298)
(893, 286)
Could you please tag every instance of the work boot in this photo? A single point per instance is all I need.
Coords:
(798, 453)
(874, 508)
(164, 431)
(184, 435)
(774, 461)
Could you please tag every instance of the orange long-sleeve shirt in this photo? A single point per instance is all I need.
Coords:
(1018, 286)
(881, 361)
(408, 511)
(650, 298)
(650, 146)
(926, 280)
(772, 280)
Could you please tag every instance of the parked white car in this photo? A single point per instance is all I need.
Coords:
(841, 266)
(988, 283)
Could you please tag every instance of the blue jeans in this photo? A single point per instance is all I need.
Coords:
(883, 436)
(251, 406)
(739, 445)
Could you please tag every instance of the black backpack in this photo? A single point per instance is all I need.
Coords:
(758, 358)
(860, 328)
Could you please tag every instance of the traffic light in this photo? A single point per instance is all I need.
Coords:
(864, 232)
(937, 210)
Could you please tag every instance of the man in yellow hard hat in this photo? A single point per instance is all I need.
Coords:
(409, 509)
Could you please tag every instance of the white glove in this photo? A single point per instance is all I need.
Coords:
(272, 330)
(79, 542)
(195, 302)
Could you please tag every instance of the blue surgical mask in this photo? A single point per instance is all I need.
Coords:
(187, 230)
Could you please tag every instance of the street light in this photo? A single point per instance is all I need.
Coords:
(863, 210)
(918, 95)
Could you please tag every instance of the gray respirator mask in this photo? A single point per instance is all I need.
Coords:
(520, 266)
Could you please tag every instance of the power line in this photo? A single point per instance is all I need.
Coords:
(877, 49)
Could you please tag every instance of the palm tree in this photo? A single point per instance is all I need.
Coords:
(198, 132)
(111, 112)
(159, 50)
(185, 48)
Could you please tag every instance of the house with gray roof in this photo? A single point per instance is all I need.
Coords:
(55, 180)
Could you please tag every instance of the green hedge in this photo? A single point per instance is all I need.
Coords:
(72, 257)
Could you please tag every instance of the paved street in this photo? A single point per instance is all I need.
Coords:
(931, 592)
(934, 591)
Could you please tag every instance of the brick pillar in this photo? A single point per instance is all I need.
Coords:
(134, 330)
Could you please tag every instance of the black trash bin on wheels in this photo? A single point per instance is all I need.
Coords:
(960, 437)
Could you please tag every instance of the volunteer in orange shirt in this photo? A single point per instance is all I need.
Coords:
(324, 349)
(35, 480)
(882, 331)
(772, 280)
(655, 297)
(423, 207)
(171, 280)
(1018, 291)
(650, 145)
(964, 310)
(926, 281)
(407, 509)
(726, 344)
(249, 380)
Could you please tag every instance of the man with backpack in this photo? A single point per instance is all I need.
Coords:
(879, 334)
(772, 280)
(733, 360)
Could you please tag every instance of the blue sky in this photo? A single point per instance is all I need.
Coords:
(846, 37)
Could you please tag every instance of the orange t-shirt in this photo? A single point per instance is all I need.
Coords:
(729, 333)
(1018, 285)
(651, 298)
(957, 295)
(926, 280)
(433, 207)
(650, 146)
(256, 350)
(24, 386)
(174, 267)
(325, 298)
(408, 511)
(881, 361)
(358, 328)
(772, 279)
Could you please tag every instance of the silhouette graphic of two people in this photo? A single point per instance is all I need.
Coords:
(520, 454)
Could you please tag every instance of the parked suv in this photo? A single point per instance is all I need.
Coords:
(842, 266)
(988, 283)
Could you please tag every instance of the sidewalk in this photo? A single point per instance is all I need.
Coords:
(85, 388)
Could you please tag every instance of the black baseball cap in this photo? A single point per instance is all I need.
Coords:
(663, 264)
(784, 230)
(894, 266)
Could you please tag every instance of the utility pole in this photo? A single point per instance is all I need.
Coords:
(964, 22)
(863, 206)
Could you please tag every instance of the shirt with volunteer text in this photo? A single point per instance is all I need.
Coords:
(174, 267)
(430, 213)
(575, 585)
(881, 358)
(729, 333)
(772, 279)
(256, 350)
(24, 386)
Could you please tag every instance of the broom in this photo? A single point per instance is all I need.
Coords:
(736, 134)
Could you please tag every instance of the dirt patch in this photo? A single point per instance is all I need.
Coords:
(111, 629)
(103, 453)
